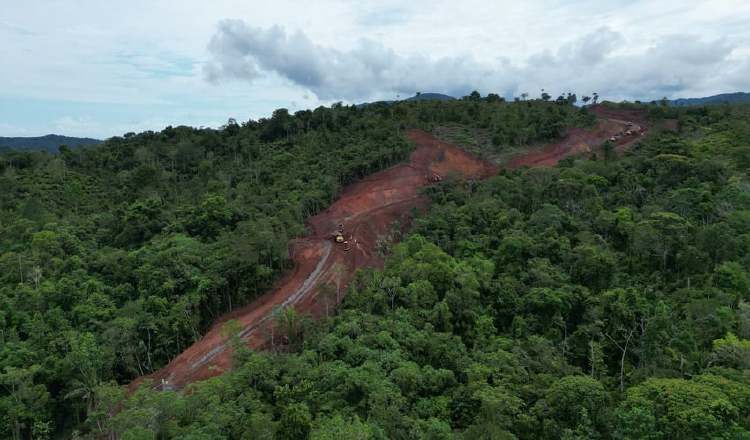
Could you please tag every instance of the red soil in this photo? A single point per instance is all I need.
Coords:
(368, 210)
(578, 140)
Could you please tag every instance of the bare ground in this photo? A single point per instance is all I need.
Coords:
(368, 209)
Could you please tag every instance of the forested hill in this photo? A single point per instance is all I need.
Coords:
(115, 257)
(604, 298)
(50, 143)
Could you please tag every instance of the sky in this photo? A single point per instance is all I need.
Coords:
(103, 68)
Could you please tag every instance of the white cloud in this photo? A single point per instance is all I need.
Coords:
(121, 63)
(76, 126)
(600, 60)
(10, 130)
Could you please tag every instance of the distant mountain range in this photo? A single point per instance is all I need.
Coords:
(730, 98)
(50, 143)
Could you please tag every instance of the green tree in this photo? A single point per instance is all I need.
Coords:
(23, 405)
(295, 422)
(337, 428)
(677, 408)
(574, 401)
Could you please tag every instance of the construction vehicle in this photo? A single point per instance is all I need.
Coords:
(338, 237)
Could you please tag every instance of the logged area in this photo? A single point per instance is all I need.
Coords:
(117, 258)
(620, 127)
(364, 214)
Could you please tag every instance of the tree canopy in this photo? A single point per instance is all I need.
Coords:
(597, 299)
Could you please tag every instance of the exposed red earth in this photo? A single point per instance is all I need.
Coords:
(367, 209)
(611, 123)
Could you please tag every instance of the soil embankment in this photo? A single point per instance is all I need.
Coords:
(622, 127)
(366, 211)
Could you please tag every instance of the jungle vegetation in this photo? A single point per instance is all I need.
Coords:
(603, 298)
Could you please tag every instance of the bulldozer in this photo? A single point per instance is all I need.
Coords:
(338, 237)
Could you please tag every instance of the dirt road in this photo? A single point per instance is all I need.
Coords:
(611, 122)
(367, 210)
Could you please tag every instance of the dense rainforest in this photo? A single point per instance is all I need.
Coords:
(604, 298)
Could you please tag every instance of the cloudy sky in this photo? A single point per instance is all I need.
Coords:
(103, 68)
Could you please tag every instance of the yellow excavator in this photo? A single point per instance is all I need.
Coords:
(338, 237)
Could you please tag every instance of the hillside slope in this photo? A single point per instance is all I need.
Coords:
(167, 254)
(122, 255)
(606, 297)
(366, 211)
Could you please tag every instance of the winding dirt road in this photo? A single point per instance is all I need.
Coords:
(611, 122)
(367, 210)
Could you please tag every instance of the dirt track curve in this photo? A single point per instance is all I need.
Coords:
(611, 122)
(367, 210)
